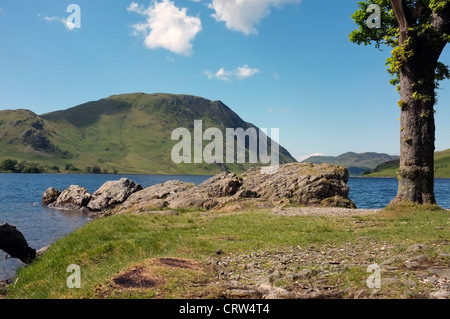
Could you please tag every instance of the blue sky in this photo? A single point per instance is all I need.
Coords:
(284, 64)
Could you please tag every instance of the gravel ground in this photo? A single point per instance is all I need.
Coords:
(324, 271)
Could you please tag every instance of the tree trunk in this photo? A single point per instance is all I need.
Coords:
(419, 58)
(417, 90)
(416, 174)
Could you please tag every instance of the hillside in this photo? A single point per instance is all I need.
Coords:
(128, 133)
(356, 163)
(441, 166)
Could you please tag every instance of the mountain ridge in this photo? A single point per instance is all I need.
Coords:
(356, 163)
(126, 133)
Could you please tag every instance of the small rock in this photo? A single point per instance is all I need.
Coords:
(440, 272)
(411, 264)
(410, 282)
(440, 294)
(243, 294)
(417, 247)
(358, 294)
(275, 275)
(419, 259)
(305, 274)
(389, 281)
(388, 261)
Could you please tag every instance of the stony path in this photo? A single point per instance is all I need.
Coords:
(326, 271)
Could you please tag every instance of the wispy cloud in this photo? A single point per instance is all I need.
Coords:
(244, 15)
(166, 26)
(241, 73)
(69, 25)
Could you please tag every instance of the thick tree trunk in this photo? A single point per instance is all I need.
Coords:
(416, 174)
(417, 90)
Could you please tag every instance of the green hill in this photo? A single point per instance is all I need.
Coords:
(356, 163)
(128, 133)
(441, 166)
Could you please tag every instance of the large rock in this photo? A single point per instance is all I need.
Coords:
(154, 197)
(72, 198)
(301, 183)
(112, 193)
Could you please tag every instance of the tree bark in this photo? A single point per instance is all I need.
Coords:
(416, 174)
(14, 243)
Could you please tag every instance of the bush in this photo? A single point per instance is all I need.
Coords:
(96, 170)
(8, 165)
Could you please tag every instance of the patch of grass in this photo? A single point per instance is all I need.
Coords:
(108, 246)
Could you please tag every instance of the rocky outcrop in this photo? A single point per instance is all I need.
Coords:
(72, 198)
(14, 243)
(112, 193)
(291, 184)
(76, 197)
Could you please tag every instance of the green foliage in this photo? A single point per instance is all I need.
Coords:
(420, 30)
(8, 165)
(96, 170)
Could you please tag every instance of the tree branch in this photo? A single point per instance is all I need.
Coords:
(400, 16)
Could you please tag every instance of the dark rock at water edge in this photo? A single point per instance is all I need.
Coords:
(14, 243)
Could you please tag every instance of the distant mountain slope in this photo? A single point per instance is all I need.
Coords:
(126, 133)
(356, 163)
(441, 166)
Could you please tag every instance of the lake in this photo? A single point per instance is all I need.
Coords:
(21, 194)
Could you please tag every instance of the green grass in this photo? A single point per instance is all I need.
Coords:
(108, 246)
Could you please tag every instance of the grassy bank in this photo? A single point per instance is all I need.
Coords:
(177, 256)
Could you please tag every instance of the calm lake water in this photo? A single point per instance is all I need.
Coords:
(21, 194)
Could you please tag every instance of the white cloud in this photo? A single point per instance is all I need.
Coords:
(167, 26)
(245, 71)
(68, 24)
(244, 15)
(241, 73)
